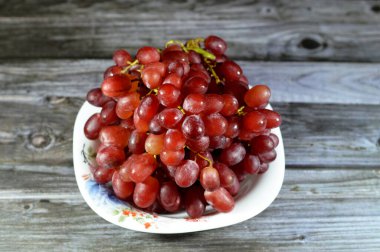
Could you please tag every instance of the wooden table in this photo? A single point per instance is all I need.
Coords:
(321, 59)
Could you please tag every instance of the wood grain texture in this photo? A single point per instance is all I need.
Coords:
(263, 30)
(315, 208)
(306, 82)
(38, 134)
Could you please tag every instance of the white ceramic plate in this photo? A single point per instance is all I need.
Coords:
(256, 193)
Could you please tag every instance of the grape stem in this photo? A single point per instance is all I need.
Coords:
(182, 110)
(201, 156)
(131, 64)
(240, 111)
(211, 68)
(173, 41)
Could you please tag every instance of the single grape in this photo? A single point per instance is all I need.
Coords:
(238, 169)
(194, 201)
(231, 105)
(258, 96)
(226, 175)
(110, 156)
(174, 80)
(215, 124)
(267, 157)
(103, 175)
(273, 118)
(170, 117)
(111, 71)
(234, 188)
(154, 144)
(209, 178)
(128, 124)
(194, 57)
(186, 173)
(251, 164)
(176, 68)
(170, 197)
(124, 169)
(172, 158)
(233, 155)
(233, 127)
(263, 168)
(196, 85)
(220, 199)
(127, 104)
(174, 140)
(145, 192)
(169, 95)
(261, 144)
(194, 103)
(122, 58)
(215, 44)
(148, 107)
(254, 121)
(108, 114)
(116, 86)
(97, 98)
(193, 127)
(147, 54)
(198, 145)
(244, 79)
(115, 136)
(121, 188)
(155, 127)
(274, 139)
(160, 67)
(214, 103)
(136, 143)
(93, 126)
(230, 70)
(151, 77)
(140, 124)
(143, 166)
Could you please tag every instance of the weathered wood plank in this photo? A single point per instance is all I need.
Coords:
(294, 225)
(275, 30)
(290, 81)
(37, 135)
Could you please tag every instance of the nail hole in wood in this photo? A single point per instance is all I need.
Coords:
(26, 207)
(40, 140)
(309, 44)
(376, 8)
(44, 201)
(301, 237)
(378, 142)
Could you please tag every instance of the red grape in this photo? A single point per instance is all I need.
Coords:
(145, 192)
(154, 144)
(169, 95)
(122, 58)
(215, 124)
(114, 135)
(215, 44)
(174, 140)
(261, 144)
(251, 164)
(169, 196)
(209, 178)
(231, 105)
(141, 125)
(170, 117)
(108, 114)
(193, 127)
(198, 145)
(142, 167)
(110, 156)
(258, 96)
(136, 143)
(194, 201)
(147, 54)
(127, 104)
(194, 103)
(93, 126)
(220, 199)
(103, 175)
(230, 70)
(121, 188)
(186, 173)
(97, 98)
(111, 71)
(148, 107)
(214, 103)
(233, 155)
(273, 118)
(254, 121)
(116, 86)
(172, 158)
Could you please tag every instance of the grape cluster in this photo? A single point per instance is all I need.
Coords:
(179, 128)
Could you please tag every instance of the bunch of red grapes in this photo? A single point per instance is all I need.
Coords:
(179, 128)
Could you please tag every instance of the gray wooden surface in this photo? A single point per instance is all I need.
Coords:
(319, 57)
